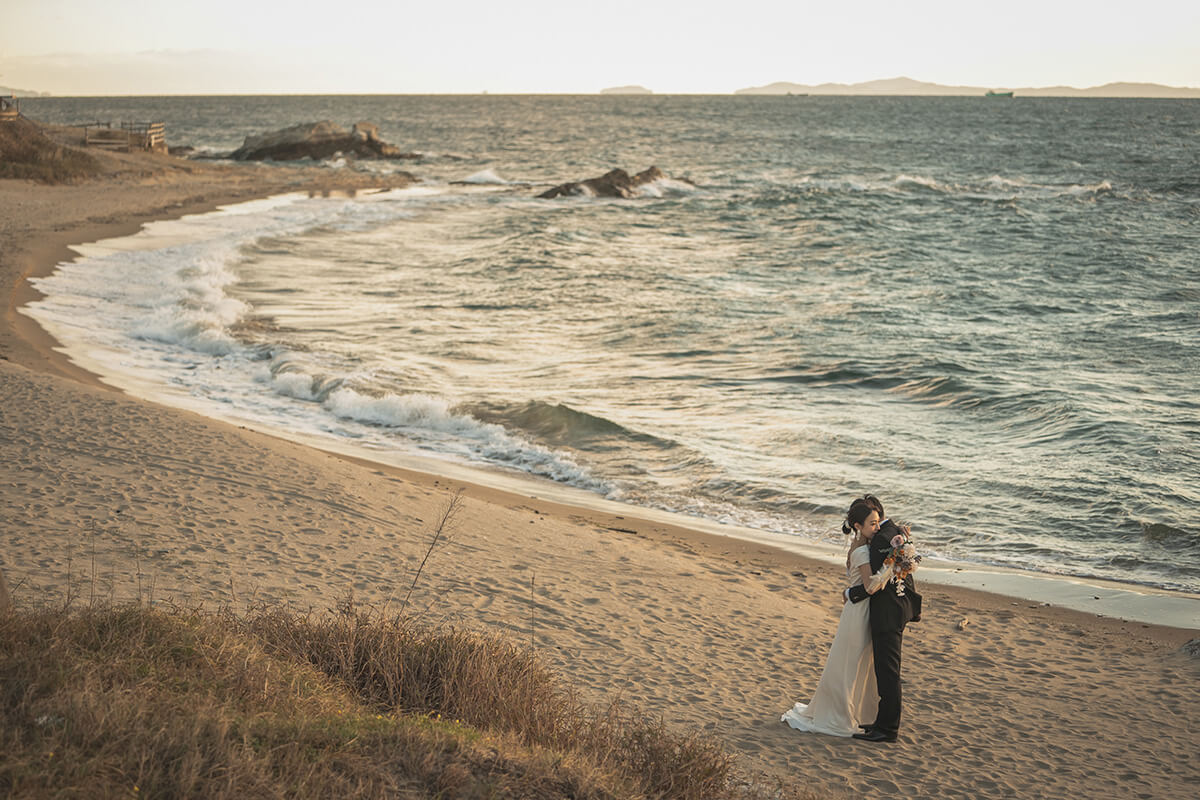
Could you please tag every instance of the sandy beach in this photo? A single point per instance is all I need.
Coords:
(1021, 701)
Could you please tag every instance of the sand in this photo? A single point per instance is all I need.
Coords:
(110, 495)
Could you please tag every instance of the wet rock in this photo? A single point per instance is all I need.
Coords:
(318, 141)
(615, 183)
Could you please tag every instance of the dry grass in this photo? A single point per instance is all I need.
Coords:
(26, 153)
(133, 701)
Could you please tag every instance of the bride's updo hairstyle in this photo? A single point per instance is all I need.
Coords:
(874, 503)
(860, 509)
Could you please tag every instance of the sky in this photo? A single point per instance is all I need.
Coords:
(81, 47)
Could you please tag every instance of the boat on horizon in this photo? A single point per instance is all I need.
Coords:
(990, 93)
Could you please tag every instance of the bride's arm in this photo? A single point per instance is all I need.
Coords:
(873, 582)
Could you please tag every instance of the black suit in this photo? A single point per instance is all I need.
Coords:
(890, 612)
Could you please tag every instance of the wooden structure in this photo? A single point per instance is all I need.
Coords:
(10, 108)
(146, 135)
(5, 597)
(127, 137)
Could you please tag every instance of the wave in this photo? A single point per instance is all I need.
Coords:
(1036, 417)
(1001, 182)
(921, 183)
(430, 421)
(560, 425)
(993, 188)
(939, 390)
(666, 187)
(1081, 190)
(292, 380)
(427, 414)
(486, 178)
(936, 381)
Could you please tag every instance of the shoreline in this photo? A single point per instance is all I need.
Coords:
(1108, 598)
(716, 633)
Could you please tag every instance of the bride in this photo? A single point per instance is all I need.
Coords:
(846, 695)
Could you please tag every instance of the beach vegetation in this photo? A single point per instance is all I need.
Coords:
(26, 153)
(139, 700)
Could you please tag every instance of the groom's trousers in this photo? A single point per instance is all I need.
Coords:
(886, 647)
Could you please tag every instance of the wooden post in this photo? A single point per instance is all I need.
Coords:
(5, 598)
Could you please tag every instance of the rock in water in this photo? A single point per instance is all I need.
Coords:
(365, 132)
(318, 141)
(615, 183)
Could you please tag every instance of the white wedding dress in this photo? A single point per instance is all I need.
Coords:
(846, 696)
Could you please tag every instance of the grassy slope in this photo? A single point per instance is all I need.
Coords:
(133, 701)
(26, 153)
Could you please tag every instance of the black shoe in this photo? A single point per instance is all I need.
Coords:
(867, 727)
(873, 735)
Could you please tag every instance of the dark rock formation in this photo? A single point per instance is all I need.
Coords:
(617, 183)
(318, 141)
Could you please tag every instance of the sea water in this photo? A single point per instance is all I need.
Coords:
(987, 312)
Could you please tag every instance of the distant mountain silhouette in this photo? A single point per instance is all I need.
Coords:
(626, 90)
(8, 90)
(908, 86)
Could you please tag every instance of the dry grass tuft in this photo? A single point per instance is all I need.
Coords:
(492, 684)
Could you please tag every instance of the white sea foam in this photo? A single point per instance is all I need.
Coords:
(1087, 189)
(664, 187)
(299, 385)
(919, 182)
(422, 415)
(487, 178)
(412, 410)
(991, 188)
(1002, 182)
(198, 331)
(836, 184)
(167, 284)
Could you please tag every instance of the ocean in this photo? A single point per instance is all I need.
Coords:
(985, 311)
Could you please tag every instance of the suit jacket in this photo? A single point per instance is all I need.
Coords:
(889, 611)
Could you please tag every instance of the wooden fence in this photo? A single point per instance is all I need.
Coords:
(129, 136)
(146, 135)
(10, 109)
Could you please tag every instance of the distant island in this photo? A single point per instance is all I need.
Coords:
(626, 90)
(9, 91)
(909, 87)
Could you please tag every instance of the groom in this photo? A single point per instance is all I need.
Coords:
(890, 612)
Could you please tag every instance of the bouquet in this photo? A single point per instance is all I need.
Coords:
(902, 558)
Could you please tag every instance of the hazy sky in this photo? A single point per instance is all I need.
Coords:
(572, 46)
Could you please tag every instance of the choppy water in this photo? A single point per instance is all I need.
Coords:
(985, 311)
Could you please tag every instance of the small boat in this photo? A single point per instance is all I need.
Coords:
(998, 94)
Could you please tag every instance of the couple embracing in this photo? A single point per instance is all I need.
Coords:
(859, 691)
